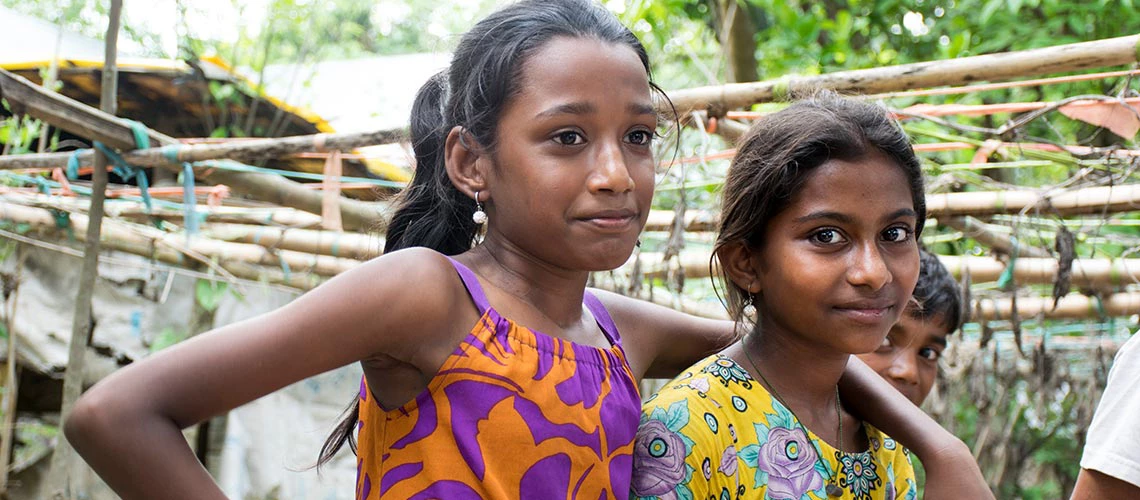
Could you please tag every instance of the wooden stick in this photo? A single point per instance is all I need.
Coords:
(981, 232)
(11, 380)
(991, 67)
(1092, 200)
(59, 474)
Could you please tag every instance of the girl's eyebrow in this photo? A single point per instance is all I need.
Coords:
(572, 108)
(585, 108)
(825, 214)
(902, 212)
(642, 109)
(847, 219)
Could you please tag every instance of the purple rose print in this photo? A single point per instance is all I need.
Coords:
(658, 460)
(728, 461)
(789, 459)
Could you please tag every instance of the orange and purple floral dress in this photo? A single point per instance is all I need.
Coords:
(513, 413)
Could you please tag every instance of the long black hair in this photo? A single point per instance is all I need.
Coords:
(483, 76)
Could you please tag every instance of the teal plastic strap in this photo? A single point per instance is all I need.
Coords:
(189, 201)
(73, 164)
(1006, 280)
(127, 172)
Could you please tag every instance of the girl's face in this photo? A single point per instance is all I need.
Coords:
(572, 177)
(839, 264)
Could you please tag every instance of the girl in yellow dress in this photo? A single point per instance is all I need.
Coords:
(822, 207)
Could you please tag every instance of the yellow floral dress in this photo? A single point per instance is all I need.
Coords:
(715, 433)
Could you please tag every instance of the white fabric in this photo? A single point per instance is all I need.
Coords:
(1113, 444)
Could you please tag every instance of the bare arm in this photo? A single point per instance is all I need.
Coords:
(951, 471)
(661, 342)
(127, 427)
(1095, 485)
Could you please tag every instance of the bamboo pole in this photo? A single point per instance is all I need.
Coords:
(81, 329)
(276, 229)
(990, 67)
(173, 153)
(1092, 200)
(1069, 307)
(1086, 273)
(174, 249)
(337, 244)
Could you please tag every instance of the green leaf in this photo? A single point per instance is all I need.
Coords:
(166, 338)
(209, 294)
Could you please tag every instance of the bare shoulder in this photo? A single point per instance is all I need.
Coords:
(411, 290)
(659, 341)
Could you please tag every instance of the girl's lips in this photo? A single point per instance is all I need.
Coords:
(865, 315)
(614, 220)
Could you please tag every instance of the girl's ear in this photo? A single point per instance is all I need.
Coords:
(462, 155)
(739, 264)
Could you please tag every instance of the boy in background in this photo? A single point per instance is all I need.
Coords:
(908, 358)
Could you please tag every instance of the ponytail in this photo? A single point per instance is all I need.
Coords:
(432, 212)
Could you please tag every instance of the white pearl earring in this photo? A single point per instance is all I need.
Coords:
(480, 217)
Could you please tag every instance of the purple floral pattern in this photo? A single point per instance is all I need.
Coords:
(659, 454)
(765, 454)
(789, 460)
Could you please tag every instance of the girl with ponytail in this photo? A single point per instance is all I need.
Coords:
(490, 371)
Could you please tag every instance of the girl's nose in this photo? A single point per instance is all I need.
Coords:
(868, 268)
(904, 369)
(611, 172)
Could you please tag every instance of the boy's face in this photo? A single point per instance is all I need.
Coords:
(908, 357)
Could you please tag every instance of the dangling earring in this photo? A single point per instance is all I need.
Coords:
(480, 217)
(749, 308)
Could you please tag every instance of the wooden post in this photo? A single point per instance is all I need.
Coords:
(11, 382)
(59, 476)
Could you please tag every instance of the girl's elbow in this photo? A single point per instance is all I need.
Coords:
(92, 416)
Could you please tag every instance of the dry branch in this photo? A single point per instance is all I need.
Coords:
(990, 67)
(981, 232)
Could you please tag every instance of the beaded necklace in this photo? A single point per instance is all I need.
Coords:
(833, 489)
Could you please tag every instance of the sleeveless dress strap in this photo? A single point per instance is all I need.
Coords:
(474, 289)
(602, 316)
